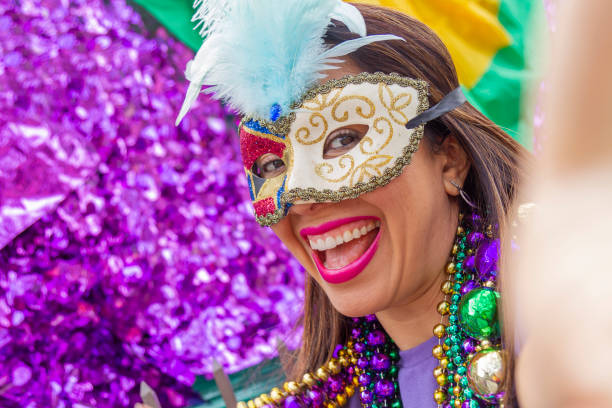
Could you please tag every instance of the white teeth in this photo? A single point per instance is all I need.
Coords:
(320, 244)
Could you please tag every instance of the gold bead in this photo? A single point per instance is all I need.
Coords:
(457, 378)
(447, 287)
(291, 386)
(478, 348)
(457, 390)
(350, 389)
(439, 396)
(455, 249)
(331, 404)
(438, 352)
(470, 357)
(460, 230)
(470, 251)
(445, 347)
(438, 371)
(458, 403)
(241, 404)
(266, 399)
(443, 307)
(277, 395)
(333, 366)
(439, 330)
(461, 215)
(450, 268)
(258, 402)
(354, 360)
(486, 344)
(356, 381)
(350, 344)
(343, 361)
(441, 380)
(341, 398)
(444, 362)
(250, 404)
(308, 379)
(489, 284)
(322, 374)
(342, 353)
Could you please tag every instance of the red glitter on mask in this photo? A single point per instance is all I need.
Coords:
(252, 147)
(264, 207)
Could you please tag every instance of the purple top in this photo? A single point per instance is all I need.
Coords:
(415, 377)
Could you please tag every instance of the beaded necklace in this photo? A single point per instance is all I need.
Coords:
(471, 366)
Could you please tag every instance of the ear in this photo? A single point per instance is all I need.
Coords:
(456, 164)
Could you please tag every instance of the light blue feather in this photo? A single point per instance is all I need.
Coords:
(259, 53)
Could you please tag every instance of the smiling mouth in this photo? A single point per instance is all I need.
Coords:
(341, 249)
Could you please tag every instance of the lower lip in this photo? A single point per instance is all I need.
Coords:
(351, 270)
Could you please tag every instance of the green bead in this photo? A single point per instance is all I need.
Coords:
(453, 319)
(452, 329)
(463, 382)
(394, 354)
(458, 360)
(455, 298)
(478, 313)
(453, 308)
(457, 287)
(473, 403)
(396, 404)
(448, 341)
(450, 366)
(459, 276)
(459, 266)
(462, 370)
(467, 393)
(393, 371)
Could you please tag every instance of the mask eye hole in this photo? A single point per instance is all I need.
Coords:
(342, 140)
(268, 166)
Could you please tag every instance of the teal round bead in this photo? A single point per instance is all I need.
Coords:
(453, 308)
(455, 298)
(457, 287)
(467, 393)
(473, 403)
(462, 370)
(458, 360)
(463, 382)
(453, 319)
(478, 313)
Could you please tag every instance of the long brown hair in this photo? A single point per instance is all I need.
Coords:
(497, 160)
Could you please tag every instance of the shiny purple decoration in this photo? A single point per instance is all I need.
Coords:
(470, 263)
(469, 286)
(468, 346)
(316, 398)
(376, 338)
(292, 402)
(380, 362)
(367, 396)
(486, 258)
(335, 384)
(129, 248)
(360, 347)
(474, 238)
(384, 388)
(365, 379)
(362, 363)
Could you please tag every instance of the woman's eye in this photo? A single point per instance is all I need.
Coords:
(342, 140)
(268, 166)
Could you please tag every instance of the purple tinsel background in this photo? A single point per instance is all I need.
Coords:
(128, 249)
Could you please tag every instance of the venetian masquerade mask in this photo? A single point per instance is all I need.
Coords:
(303, 142)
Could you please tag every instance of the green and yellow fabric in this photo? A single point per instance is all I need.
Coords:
(486, 38)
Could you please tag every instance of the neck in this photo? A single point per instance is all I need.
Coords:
(411, 323)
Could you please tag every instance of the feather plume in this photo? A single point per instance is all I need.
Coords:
(264, 53)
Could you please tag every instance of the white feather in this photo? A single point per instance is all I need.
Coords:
(261, 53)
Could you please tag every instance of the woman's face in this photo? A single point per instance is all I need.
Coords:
(409, 228)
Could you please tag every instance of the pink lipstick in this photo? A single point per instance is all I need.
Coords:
(340, 243)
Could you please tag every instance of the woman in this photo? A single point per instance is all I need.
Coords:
(385, 185)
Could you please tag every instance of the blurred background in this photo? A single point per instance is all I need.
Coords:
(128, 248)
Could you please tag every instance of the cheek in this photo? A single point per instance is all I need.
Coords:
(284, 232)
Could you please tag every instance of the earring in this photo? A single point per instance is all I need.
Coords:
(463, 194)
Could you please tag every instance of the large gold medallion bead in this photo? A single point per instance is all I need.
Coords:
(487, 373)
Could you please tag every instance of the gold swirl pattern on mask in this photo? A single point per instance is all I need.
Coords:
(322, 101)
(303, 134)
(323, 170)
(395, 104)
(358, 109)
(367, 140)
(370, 169)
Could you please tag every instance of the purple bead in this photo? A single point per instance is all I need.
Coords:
(360, 347)
(362, 363)
(384, 388)
(350, 370)
(370, 318)
(468, 286)
(335, 384)
(376, 338)
(468, 346)
(486, 258)
(366, 396)
(474, 238)
(356, 332)
(316, 398)
(380, 362)
(292, 402)
(365, 379)
(337, 350)
(470, 263)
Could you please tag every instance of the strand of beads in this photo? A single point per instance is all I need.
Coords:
(377, 359)
(330, 386)
(472, 364)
